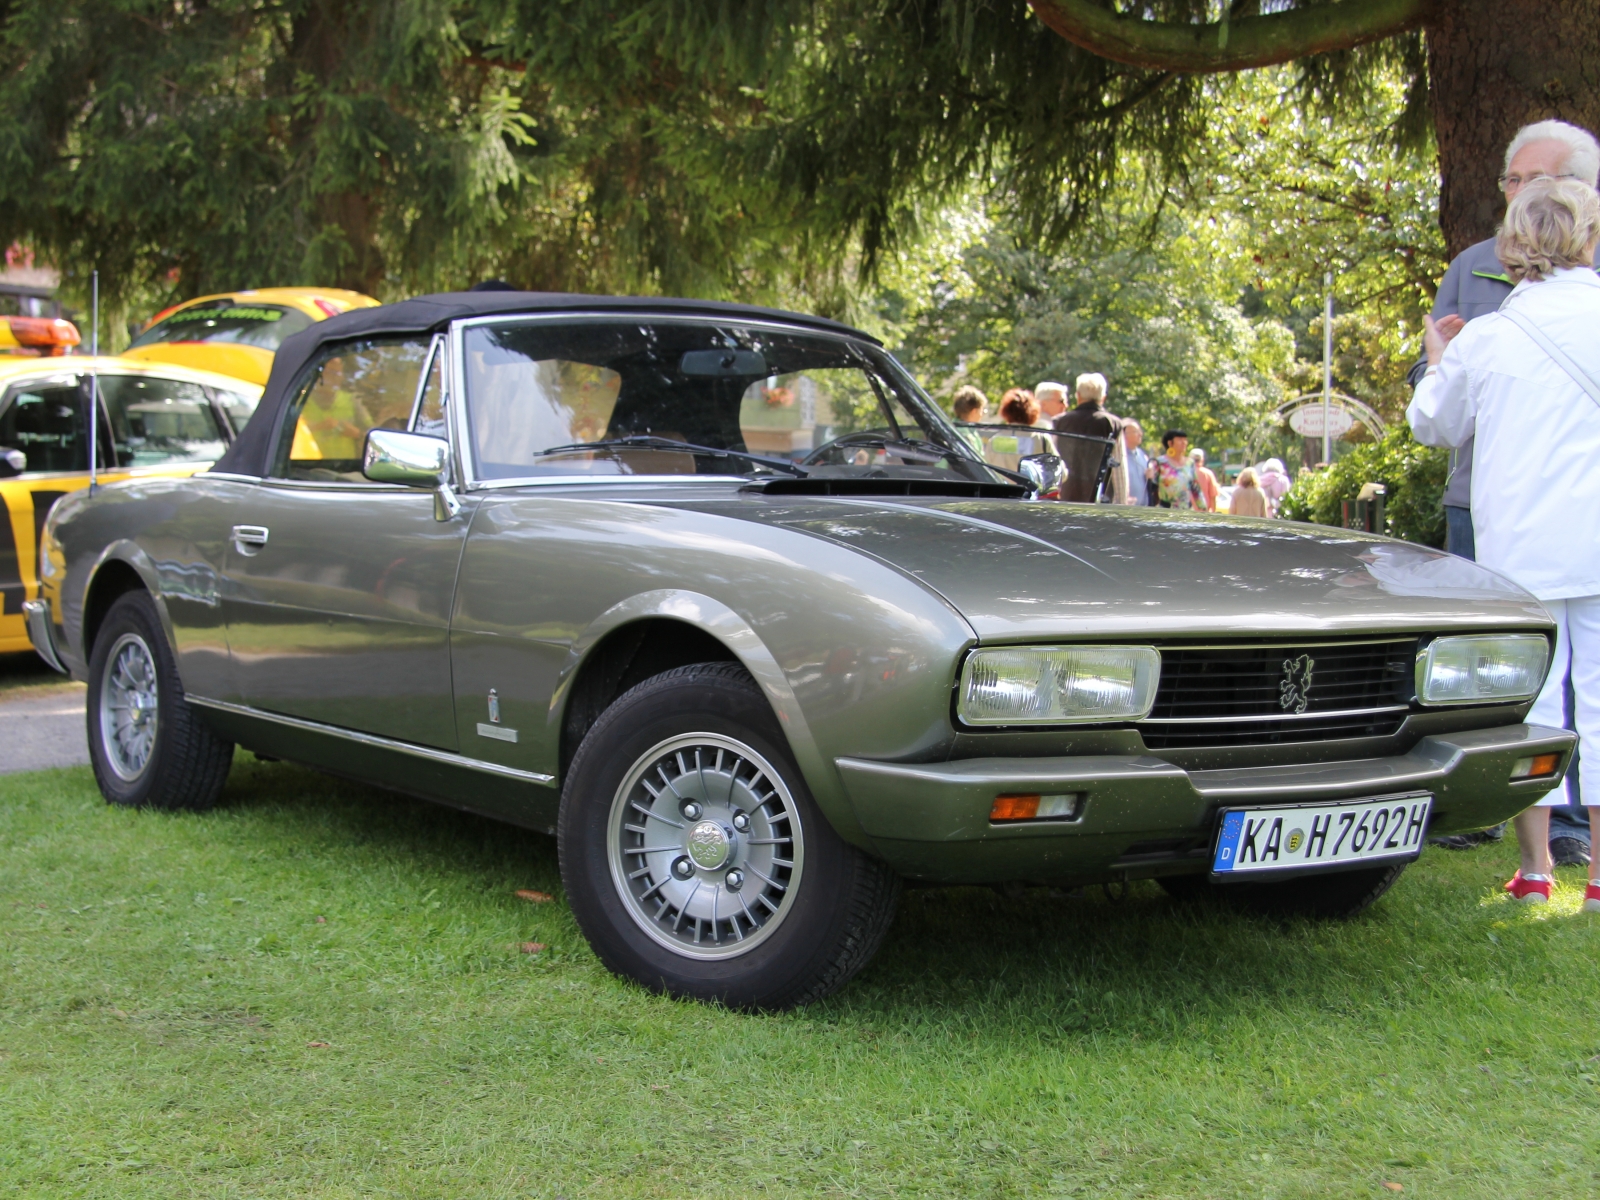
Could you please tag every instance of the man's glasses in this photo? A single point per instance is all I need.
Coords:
(1510, 183)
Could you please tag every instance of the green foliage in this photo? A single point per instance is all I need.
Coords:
(765, 151)
(1164, 331)
(176, 1023)
(1413, 475)
(1283, 195)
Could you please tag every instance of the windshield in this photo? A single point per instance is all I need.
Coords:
(261, 325)
(564, 398)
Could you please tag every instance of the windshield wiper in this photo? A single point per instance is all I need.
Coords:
(649, 441)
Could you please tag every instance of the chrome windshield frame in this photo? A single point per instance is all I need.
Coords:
(456, 373)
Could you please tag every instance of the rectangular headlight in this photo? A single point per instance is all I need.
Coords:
(1471, 670)
(1055, 685)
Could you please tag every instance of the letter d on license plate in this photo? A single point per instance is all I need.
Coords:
(1302, 837)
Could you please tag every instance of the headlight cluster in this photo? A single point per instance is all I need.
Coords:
(1056, 685)
(1471, 670)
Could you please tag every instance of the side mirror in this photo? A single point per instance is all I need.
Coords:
(412, 459)
(12, 462)
(1046, 472)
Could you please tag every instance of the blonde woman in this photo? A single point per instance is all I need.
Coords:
(1248, 498)
(1526, 379)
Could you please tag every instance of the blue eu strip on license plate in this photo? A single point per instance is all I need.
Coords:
(1316, 835)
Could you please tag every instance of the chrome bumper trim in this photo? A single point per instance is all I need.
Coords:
(36, 613)
(382, 743)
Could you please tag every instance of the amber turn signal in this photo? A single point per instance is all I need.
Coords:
(1030, 806)
(1540, 766)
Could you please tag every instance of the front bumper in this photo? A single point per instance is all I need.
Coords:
(1141, 816)
(41, 632)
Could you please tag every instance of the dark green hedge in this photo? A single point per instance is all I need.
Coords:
(1413, 474)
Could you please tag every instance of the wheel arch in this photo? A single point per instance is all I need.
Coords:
(656, 631)
(122, 567)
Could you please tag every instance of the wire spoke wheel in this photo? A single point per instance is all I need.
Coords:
(129, 707)
(705, 846)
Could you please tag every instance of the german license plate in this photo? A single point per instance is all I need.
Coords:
(1320, 835)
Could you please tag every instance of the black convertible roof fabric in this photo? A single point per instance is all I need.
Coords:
(429, 314)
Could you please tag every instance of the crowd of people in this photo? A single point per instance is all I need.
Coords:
(1104, 454)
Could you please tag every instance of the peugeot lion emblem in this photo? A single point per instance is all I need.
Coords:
(1294, 690)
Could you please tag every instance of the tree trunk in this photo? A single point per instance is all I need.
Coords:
(327, 37)
(1493, 67)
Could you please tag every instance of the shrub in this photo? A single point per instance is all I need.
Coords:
(1413, 475)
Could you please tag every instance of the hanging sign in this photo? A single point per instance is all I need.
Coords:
(1307, 421)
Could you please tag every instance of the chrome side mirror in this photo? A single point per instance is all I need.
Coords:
(12, 462)
(1045, 472)
(412, 459)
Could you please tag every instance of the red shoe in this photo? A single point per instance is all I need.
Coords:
(1591, 899)
(1529, 891)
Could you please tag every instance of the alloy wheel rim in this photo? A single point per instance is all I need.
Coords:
(129, 707)
(705, 846)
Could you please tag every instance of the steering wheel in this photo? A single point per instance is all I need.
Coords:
(874, 439)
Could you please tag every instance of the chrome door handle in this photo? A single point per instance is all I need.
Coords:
(249, 539)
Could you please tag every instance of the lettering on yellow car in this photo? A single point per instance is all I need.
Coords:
(226, 314)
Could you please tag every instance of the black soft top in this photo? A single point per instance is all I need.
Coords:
(429, 314)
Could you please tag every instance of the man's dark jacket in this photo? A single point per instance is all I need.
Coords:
(1084, 458)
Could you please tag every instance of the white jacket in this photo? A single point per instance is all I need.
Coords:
(1536, 472)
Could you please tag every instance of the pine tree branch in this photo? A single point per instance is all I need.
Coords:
(1233, 44)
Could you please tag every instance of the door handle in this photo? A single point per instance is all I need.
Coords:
(249, 539)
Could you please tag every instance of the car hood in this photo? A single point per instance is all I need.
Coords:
(1020, 571)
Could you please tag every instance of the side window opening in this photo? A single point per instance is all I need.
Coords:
(45, 422)
(156, 421)
(355, 387)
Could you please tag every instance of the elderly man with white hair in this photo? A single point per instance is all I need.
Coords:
(1090, 420)
(1476, 284)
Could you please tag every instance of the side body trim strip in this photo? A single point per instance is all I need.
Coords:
(382, 743)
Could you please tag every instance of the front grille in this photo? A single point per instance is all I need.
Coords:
(1267, 695)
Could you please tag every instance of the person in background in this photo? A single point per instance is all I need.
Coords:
(1476, 284)
(1206, 478)
(1090, 419)
(1248, 498)
(1017, 407)
(1052, 398)
(969, 406)
(1275, 483)
(1138, 462)
(1533, 405)
(1176, 485)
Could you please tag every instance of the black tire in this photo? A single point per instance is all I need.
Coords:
(831, 905)
(1337, 895)
(182, 764)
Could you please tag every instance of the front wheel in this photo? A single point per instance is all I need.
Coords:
(148, 747)
(696, 861)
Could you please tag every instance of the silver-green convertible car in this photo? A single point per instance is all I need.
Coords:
(716, 595)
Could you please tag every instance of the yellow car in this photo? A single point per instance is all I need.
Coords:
(238, 333)
(155, 419)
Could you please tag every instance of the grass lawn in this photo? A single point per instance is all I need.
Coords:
(318, 990)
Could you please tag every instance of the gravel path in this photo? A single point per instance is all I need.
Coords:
(42, 727)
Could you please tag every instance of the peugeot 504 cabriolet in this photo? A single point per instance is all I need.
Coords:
(718, 597)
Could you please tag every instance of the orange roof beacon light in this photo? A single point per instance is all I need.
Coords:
(43, 337)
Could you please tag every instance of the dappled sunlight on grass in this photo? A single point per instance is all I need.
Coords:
(322, 989)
